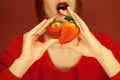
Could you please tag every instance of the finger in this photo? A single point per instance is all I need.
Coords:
(77, 20)
(64, 12)
(75, 17)
(72, 46)
(45, 25)
(42, 29)
(36, 28)
(70, 11)
(69, 45)
(38, 35)
(50, 42)
(80, 22)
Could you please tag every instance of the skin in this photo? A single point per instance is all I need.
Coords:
(85, 45)
(50, 7)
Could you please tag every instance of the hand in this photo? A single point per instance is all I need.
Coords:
(32, 48)
(87, 45)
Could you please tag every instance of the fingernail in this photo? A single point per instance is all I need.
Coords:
(68, 7)
(45, 20)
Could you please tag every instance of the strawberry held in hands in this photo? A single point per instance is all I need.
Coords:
(69, 31)
(54, 29)
(65, 32)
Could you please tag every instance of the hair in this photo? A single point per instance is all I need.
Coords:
(40, 9)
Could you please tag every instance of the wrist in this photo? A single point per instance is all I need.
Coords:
(27, 60)
(103, 53)
(108, 62)
(20, 67)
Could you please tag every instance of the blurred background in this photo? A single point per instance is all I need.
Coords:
(19, 16)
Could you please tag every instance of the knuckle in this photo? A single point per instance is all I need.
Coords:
(26, 35)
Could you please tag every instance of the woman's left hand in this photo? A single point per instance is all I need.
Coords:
(87, 45)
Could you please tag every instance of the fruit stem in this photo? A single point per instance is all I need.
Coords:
(69, 18)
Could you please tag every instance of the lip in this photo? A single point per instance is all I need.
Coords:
(61, 5)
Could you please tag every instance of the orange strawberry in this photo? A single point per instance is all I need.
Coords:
(69, 31)
(54, 29)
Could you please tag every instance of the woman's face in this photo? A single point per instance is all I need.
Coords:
(52, 7)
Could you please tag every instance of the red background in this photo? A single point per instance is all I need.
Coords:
(19, 16)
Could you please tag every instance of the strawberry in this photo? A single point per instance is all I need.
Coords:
(69, 31)
(54, 29)
(65, 32)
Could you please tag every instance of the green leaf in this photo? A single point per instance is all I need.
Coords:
(69, 18)
(57, 21)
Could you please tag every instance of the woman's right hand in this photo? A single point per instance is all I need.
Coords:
(32, 48)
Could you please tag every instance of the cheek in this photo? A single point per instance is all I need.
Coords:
(73, 4)
(49, 8)
(46, 4)
(49, 4)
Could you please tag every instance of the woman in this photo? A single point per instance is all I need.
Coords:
(87, 57)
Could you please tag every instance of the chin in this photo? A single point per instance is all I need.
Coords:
(60, 17)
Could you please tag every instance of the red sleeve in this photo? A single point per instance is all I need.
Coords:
(7, 75)
(114, 47)
(7, 57)
(116, 77)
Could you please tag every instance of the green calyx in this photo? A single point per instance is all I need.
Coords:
(56, 21)
(70, 19)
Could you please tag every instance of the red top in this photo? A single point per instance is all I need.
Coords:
(86, 69)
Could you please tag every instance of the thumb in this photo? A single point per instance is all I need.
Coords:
(50, 42)
(72, 46)
(68, 45)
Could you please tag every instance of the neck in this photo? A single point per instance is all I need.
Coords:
(63, 59)
(47, 37)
